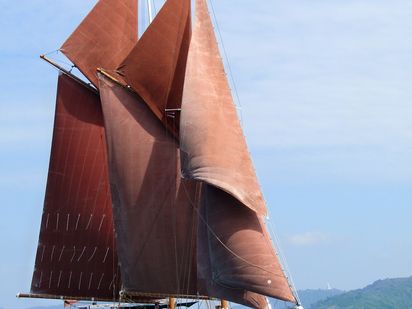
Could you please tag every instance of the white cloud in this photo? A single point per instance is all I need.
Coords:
(308, 239)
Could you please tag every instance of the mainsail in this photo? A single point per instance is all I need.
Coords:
(76, 255)
(151, 190)
(155, 222)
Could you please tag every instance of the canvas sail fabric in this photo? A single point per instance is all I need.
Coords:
(155, 68)
(104, 38)
(76, 255)
(206, 277)
(234, 253)
(211, 137)
(155, 222)
(238, 250)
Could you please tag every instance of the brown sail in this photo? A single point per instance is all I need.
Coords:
(76, 256)
(155, 222)
(155, 68)
(211, 138)
(238, 249)
(104, 38)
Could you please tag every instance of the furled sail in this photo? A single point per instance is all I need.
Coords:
(76, 255)
(104, 38)
(155, 68)
(155, 222)
(211, 137)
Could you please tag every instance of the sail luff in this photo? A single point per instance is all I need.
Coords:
(154, 221)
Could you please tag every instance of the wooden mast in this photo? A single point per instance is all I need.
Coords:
(224, 304)
(172, 302)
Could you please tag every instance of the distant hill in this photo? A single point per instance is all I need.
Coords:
(307, 297)
(382, 294)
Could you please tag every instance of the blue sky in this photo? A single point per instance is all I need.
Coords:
(325, 94)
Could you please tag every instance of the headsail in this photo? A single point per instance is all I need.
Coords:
(104, 38)
(76, 255)
(155, 68)
(211, 137)
(155, 222)
(234, 241)
(238, 249)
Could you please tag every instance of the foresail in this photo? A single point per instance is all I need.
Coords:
(211, 138)
(104, 38)
(155, 68)
(76, 255)
(155, 219)
(237, 252)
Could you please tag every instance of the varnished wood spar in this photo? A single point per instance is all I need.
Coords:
(224, 304)
(172, 302)
(48, 296)
(159, 114)
(68, 73)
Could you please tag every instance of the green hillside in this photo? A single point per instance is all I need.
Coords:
(382, 294)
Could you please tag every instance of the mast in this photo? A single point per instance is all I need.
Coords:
(224, 304)
(149, 6)
(172, 302)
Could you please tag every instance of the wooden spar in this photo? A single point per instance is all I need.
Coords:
(68, 73)
(224, 304)
(172, 303)
(158, 113)
(131, 294)
(48, 296)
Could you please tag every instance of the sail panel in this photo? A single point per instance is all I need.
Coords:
(155, 68)
(238, 252)
(155, 221)
(76, 255)
(211, 137)
(104, 38)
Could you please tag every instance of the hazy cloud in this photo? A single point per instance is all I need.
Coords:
(308, 239)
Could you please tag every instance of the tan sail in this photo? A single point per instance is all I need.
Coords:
(104, 38)
(76, 255)
(211, 138)
(238, 248)
(155, 68)
(155, 222)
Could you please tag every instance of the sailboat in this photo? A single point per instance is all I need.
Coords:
(151, 195)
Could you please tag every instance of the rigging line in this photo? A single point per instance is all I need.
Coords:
(227, 59)
(222, 243)
(173, 207)
(283, 259)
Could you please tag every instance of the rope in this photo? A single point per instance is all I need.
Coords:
(227, 60)
(282, 259)
(221, 242)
